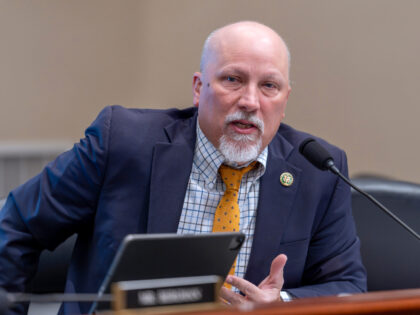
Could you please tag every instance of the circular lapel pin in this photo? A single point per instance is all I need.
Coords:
(286, 179)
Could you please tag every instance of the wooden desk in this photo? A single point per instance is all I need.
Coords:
(385, 302)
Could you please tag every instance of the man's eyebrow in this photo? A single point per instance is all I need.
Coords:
(232, 69)
(275, 76)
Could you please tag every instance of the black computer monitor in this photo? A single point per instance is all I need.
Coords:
(157, 256)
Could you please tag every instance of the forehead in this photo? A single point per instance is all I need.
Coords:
(248, 48)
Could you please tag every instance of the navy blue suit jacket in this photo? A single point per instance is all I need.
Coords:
(112, 182)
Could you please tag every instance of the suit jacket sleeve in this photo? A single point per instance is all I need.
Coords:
(333, 263)
(53, 205)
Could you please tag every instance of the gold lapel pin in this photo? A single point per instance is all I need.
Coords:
(286, 179)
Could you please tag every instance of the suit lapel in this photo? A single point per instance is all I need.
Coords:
(274, 208)
(171, 168)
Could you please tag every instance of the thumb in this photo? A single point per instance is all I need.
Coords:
(275, 278)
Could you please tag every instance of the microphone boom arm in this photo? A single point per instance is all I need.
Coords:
(335, 170)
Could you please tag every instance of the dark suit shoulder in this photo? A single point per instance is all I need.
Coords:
(144, 125)
(159, 116)
(126, 131)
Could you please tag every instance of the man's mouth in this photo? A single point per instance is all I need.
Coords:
(243, 125)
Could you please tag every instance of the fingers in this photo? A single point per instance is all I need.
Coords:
(278, 264)
(231, 297)
(248, 288)
(268, 290)
(275, 278)
(251, 291)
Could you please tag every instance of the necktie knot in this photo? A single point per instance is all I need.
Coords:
(232, 177)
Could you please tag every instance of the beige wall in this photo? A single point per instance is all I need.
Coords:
(355, 67)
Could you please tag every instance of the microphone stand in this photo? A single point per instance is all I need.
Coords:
(330, 165)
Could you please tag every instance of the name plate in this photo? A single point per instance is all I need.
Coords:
(140, 294)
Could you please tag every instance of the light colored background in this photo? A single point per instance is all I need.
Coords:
(355, 67)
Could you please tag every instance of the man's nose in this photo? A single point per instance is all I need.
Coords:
(249, 100)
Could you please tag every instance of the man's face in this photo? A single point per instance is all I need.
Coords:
(242, 93)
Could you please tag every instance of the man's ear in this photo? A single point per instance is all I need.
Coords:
(283, 105)
(287, 99)
(197, 84)
(288, 91)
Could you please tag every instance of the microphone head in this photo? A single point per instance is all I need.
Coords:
(316, 154)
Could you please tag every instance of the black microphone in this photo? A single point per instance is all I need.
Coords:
(322, 159)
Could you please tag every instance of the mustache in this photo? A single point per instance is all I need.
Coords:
(240, 115)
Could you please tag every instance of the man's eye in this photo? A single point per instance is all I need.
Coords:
(270, 85)
(231, 79)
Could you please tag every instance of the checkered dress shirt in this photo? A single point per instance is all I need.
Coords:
(206, 188)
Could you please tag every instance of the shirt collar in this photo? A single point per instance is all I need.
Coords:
(208, 159)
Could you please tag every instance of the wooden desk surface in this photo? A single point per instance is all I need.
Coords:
(384, 302)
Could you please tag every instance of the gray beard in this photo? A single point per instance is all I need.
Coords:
(240, 149)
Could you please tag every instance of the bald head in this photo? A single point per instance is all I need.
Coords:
(242, 89)
(247, 33)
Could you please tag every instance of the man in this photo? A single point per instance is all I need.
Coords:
(152, 171)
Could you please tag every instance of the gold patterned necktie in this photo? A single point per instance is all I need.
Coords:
(227, 216)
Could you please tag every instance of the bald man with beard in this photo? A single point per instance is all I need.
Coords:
(301, 239)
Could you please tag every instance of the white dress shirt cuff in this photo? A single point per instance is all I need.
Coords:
(285, 296)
